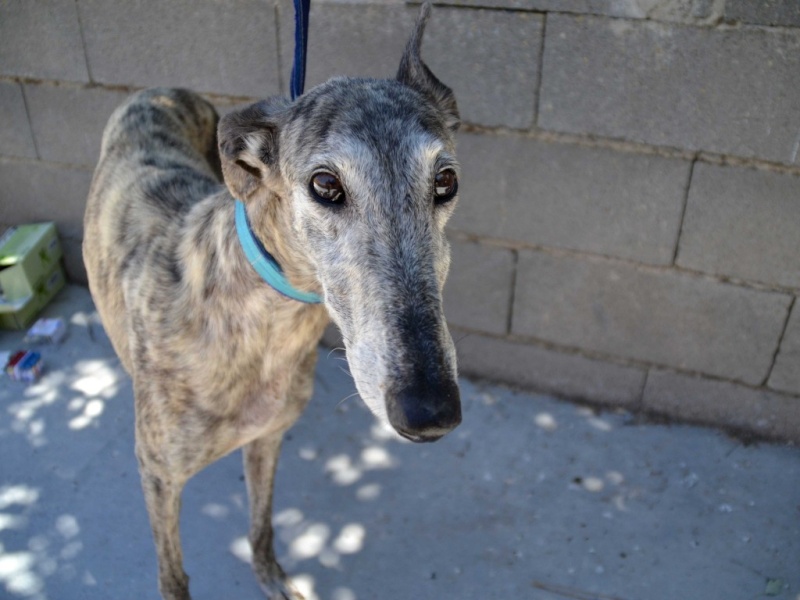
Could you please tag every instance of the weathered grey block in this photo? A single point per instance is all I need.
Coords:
(570, 6)
(549, 371)
(667, 10)
(354, 40)
(73, 260)
(223, 47)
(478, 290)
(764, 12)
(225, 107)
(722, 403)
(34, 191)
(567, 196)
(41, 38)
(664, 318)
(489, 58)
(729, 91)
(68, 121)
(743, 223)
(16, 138)
(786, 372)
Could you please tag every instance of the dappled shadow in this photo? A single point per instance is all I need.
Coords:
(77, 394)
(80, 375)
(528, 498)
(49, 553)
(50, 431)
(330, 476)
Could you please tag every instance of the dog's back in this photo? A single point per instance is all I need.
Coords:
(158, 158)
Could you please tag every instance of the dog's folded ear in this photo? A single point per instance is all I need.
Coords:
(416, 74)
(248, 146)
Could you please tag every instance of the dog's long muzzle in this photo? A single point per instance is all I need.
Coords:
(423, 402)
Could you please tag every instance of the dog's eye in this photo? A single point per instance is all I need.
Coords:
(445, 185)
(326, 188)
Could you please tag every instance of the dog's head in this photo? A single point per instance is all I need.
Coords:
(367, 169)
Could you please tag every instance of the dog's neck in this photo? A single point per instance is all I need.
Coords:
(271, 225)
(263, 262)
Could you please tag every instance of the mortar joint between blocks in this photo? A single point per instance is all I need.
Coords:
(538, 87)
(30, 121)
(513, 291)
(83, 42)
(779, 343)
(682, 217)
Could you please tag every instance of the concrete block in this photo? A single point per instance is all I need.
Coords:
(661, 10)
(743, 223)
(73, 260)
(41, 39)
(223, 47)
(478, 290)
(566, 196)
(786, 372)
(727, 91)
(35, 191)
(489, 58)
(548, 371)
(224, 106)
(722, 403)
(659, 317)
(16, 138)
(671, 10)
(764, 12)
(354, 40)
(68, 121)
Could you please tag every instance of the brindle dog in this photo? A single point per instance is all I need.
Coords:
(349, 188)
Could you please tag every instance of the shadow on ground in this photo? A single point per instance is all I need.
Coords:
(529, 498)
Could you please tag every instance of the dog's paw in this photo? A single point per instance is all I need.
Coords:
(281, 590)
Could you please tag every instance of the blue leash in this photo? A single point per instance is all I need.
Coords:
(298, 82)
(258, 256)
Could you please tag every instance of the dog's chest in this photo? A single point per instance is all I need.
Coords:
(265, 386)
(266, 411)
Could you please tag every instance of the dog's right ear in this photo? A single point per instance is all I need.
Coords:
(416, 74)
(248, 146)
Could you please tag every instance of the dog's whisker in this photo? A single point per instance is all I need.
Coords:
(462, 338)
(348, 373)
(346, 398)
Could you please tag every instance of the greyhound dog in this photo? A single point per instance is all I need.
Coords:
(347, 190)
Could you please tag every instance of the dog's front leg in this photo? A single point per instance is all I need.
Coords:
(163, 498)
(162, 484)
(260, 460)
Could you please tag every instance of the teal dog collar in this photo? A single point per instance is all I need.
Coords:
(264, 263)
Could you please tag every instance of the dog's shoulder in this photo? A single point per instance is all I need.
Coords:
(156, 164)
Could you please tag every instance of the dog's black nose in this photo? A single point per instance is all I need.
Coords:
(422, 412)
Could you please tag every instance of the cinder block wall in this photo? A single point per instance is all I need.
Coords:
(629, 227)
